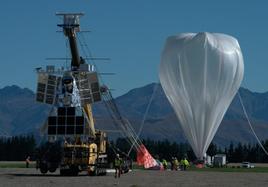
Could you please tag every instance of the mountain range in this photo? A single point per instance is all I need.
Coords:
(20, 114)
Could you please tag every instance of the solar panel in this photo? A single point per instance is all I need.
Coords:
(96, 96)
(66, 124)
(70, 120)
(46, 88)
(52, 78)
(79, 129)
(61, 120)
(52, 121)
(49, 99)
(79, 120)
(70, 111)
(61, 130)
(95, 87)
(92, 77)
(40, 97)
(70, 130)
(88, 85)
(41, 87)
(61, 111)
(52, 130)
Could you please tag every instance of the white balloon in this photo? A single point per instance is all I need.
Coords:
(200, 75)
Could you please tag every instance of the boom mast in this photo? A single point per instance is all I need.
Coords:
(70, 26)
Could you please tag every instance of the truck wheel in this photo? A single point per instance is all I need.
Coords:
(66, 172)
(63, 172)
(74, 170)
(43, 168)
(52, 170)
(92, 173)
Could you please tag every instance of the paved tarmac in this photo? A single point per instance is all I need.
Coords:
(30, 177)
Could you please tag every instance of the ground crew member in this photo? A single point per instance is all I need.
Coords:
(185, 163)
(175, 164)
(181, 164)
(172, 163)
(164, 162)
(117, 166)
(27, 161)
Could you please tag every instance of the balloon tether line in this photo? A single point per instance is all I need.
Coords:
(145, 115)
(250, 125)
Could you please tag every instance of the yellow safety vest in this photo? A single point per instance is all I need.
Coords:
(186, 163)
(117, 162)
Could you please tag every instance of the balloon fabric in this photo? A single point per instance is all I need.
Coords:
(200, 75)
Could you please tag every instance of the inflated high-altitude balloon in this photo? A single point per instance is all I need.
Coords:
(200, 75)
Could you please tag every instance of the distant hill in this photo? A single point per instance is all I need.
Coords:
(20, 114)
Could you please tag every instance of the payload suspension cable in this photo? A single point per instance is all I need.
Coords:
(87, 52)
(122, 123)
(250, 125)
(125, 126)
(145, 114)
(113, 116)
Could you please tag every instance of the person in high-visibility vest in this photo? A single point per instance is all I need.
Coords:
(185, 164)
(176, 164)
(117, 166)
(164, 162)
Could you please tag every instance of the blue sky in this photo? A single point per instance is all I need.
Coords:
(130, 32)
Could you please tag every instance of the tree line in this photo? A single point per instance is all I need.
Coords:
(241, 152)
(166, 150)
(17, 148)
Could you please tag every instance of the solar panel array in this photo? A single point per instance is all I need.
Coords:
(87, 83)
(66, 122)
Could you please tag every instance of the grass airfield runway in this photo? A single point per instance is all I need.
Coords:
(32, 177)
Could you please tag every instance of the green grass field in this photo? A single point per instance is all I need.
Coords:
(21, 164)
(261, 168)
(15, 164)
(230, 169)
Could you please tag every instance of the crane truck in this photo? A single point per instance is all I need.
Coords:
(74, 143)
